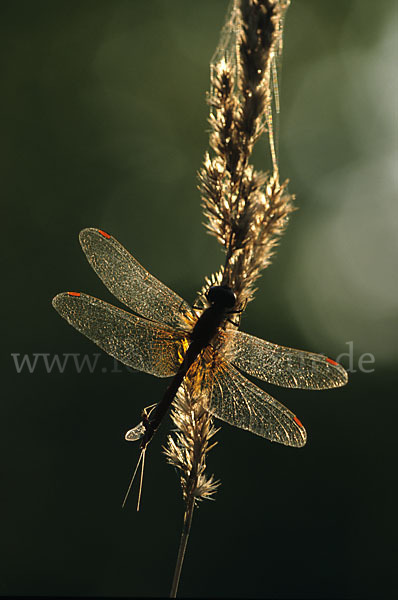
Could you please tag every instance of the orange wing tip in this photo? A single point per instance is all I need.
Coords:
(299, 423)
(333, 362)
(77, 294)
(104, 234)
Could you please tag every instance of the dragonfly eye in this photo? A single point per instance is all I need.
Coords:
(221, 295)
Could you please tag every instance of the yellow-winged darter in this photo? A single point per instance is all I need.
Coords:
(169, 338)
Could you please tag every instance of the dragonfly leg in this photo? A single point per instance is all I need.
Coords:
(146, 412)
(196, 307)
(236, 312)
(233, 323)
(240, 311)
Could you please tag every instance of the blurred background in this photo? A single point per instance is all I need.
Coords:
(104, 124)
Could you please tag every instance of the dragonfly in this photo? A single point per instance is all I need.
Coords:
(166, 337)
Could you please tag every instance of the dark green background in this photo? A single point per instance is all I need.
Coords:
(104, 124)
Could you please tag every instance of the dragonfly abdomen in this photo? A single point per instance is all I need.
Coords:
(203, 332)
(162, 407)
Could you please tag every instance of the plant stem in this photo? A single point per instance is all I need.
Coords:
(186, 528)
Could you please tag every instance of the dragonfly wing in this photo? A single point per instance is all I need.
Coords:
(129, 282)
(239, 402)
(283, 366)
(136, 342)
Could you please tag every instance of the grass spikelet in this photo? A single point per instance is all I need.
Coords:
(246, 210)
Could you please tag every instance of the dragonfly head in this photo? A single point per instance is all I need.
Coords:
(221, 296)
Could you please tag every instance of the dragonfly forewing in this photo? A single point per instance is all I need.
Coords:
(279, 365)
(136, 342)
(130, 283)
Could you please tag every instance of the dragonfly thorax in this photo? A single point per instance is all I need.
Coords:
(222, 300)
(221, 296)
